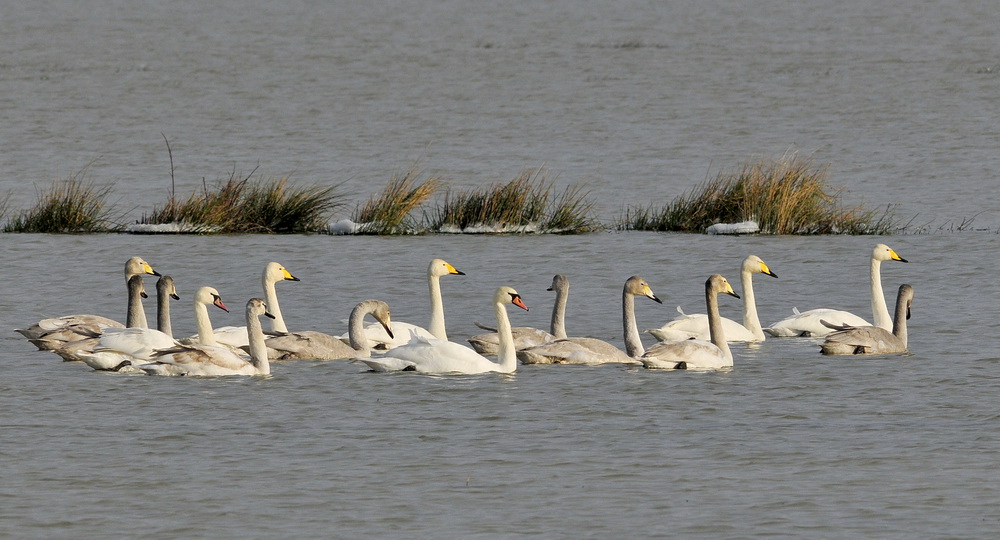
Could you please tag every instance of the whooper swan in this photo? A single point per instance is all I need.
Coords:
(697, 354)
(695, 326)
(586, 350)
(872, 339)
(808, 323)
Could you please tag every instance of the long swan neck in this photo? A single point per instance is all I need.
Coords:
(507, 354)
(436, 326)
(899, 321)
(163, 312)
(558, 325)
(271, 299)
(715, 322)
(206, 336)
(880, 311)
(750, 319)
(356, 328)
(135, 316)
(258, 350)
(633, 343)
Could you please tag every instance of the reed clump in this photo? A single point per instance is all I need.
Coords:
(391, 212)
(523, 205)
(73, 205)
(789, 195)
(241, 204)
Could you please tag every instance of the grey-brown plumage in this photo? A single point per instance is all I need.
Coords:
(314, 345)
(872, 339)
(525, 336)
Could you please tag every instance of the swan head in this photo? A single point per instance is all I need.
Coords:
(379, 310)
(275, 272)
(905, 296)
(717, 284)
(208, 295)
(440, 267)
(756, 265)
(507, 295)
(559, 282)
(136, 265)
(165, 286)
(256, 307)
(637, 286)
(136, 286)
(883, 252)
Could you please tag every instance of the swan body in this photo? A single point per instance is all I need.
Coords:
(446, 357)
(585, 350)
(807, 323)
(212, 361)
(695, 325)
(237, 336)
(694, 353)
(525, 336)
(872, 339)
(320, 346)
(71, 350)
(55, 332)
(810, 323)
(404, 332)
(120, 348)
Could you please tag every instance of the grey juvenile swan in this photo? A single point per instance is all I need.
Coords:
(872, 339)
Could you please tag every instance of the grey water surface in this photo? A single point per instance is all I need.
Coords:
(639, 101)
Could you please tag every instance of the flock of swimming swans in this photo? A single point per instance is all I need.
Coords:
(690, 341)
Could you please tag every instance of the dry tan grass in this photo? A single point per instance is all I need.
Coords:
(789, 195)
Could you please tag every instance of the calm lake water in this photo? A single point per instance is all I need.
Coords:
(636, 100)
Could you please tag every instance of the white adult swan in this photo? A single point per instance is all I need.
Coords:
(439, 356)
(404, 332)
(695, 353)
(58, 330)
(807, 323)
(236, 336)
(319, 346)
(585, 350)
(695, 326)
(209, 361)
(525, 336)
(132, 346)
(872, 339)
